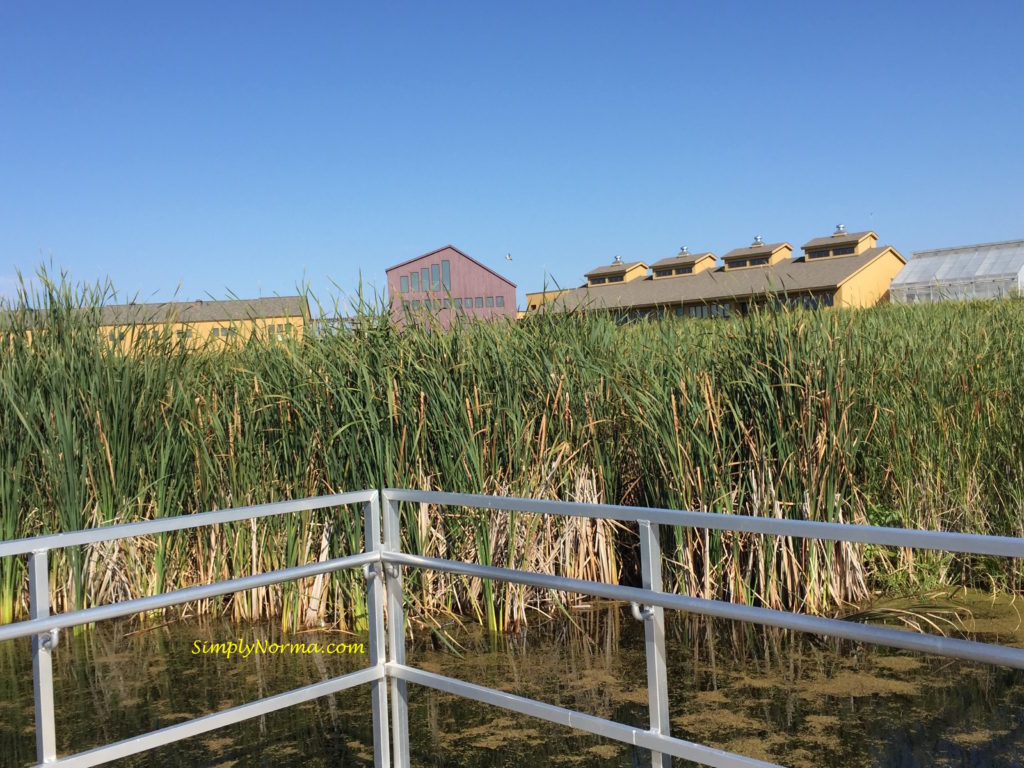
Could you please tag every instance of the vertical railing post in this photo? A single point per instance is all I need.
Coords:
(654, 639)
(396, 634)
(42, 658)
(378, 649)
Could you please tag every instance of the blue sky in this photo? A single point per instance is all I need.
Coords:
(199, 149)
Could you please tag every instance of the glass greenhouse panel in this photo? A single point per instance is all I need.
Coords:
(971, 272)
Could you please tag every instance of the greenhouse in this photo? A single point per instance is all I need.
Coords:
(987, 271)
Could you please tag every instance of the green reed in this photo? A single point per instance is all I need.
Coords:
(893, 416)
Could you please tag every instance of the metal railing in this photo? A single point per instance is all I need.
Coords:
(383, 561)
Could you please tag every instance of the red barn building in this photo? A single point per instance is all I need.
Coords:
(448, 284)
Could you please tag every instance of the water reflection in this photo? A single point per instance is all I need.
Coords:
(782, 697)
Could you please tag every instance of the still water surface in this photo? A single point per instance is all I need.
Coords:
(787, 698)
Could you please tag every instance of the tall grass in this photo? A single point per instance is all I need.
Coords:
(894, 416)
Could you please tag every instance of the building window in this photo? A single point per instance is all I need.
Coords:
(469, 302)
(818, 254)
(737, 264)
(215, 332)
(458, 303)
(447, 304)
(597, 281)
(435, 277)
(615, 279)
(680, 311)
(446, 275)
(828, 299)
(489, 301)
(415, 305)
(663, 273)
(405, 305)
(478, 302)
(500, 301)
(415, 282)
(757, 262)
(684, 270)
(845, 251)
(404, 283)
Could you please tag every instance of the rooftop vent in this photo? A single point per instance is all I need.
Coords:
(840, 230)
(617, 260)
(684, 251)
(758, 240)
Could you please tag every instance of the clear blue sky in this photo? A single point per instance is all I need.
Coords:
(247, 147)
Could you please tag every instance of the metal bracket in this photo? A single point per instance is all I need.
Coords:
(370, 571)
(642, 612)
(49, 640)
(392, 570)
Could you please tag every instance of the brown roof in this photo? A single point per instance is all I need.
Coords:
(615, 269)
(767, 249)
(846, 238)
(682, 260)
(205, 311)
(792, 275)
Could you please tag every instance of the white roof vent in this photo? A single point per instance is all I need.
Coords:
(617, 260)
(684, 251)
(840, 230)
(758, 240)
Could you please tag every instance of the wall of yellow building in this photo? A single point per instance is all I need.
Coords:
(870, 285)
(202, 332)
(640, 270)
(538, 298)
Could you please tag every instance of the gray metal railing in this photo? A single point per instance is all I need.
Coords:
(382, 561)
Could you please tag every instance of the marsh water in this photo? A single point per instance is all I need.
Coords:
(783, 697)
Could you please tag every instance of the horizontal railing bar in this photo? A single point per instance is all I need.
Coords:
(196, 726)
(864, 633)
(948, 541)
(168, 599)
(178, 523)
(609, 729)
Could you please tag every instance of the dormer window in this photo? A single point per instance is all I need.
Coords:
(840, 243)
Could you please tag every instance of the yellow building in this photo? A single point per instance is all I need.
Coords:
(538, 298)
(197, 322)
(845, 269)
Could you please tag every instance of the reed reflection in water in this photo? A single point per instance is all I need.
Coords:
(788, 698)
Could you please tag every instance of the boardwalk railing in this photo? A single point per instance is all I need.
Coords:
(383, 560)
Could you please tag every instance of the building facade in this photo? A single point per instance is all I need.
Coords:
(446, 285)
(198, 322)
(844, 269)
(984, 271)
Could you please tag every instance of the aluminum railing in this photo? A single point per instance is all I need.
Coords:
(383, 560)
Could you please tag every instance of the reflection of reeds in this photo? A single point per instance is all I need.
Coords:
(894, 416)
